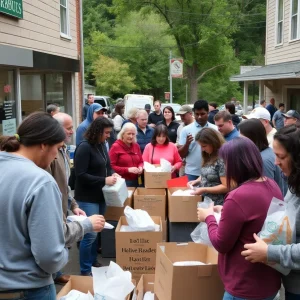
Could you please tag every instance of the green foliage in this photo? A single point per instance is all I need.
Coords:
(112, 76)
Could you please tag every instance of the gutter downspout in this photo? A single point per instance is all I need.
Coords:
(81, 56)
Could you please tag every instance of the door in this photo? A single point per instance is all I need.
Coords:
(293, 97)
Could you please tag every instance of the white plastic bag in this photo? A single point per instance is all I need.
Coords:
(111, 283)
(279, 227)
(200, 233)
(76, 295)
(165, 165)
(115, 195)
(138, 219)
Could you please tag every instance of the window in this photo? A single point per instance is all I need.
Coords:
(295, 19)
(279, 22)
(64, 19)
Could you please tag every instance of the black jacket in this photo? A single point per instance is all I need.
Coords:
(92, 166)
(235, 120)
(172, 130)
(211, 116)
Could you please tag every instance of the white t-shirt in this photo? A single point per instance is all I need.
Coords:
(270, 137)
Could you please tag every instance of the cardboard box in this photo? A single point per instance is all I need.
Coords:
(180, 232)
(114, 213)
(82, 284)
(154, 201)
(156, 180)
(187, 282)
(136, 251)
(146, 284)
(108, 241)
(182, 208)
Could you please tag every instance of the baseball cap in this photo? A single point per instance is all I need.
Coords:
(184, 109)
(147, 106)
(99, 107)
(292, 114)
(258, 113)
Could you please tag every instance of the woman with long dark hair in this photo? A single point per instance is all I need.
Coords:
(212, 181)
(286, 147)
(31, 232)
(254, 130)
(244, 212)
(161, 147)
(171, 123)
(93, 171)
(118, 116)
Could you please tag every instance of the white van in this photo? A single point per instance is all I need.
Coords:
(138, 101)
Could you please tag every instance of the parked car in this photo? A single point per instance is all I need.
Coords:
(138, 101)
(106, 102)
(175, 107)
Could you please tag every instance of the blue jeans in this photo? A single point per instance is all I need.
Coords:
(45, 293)
(89, 243)
(290, 296)
(227, 296)
(191, 177)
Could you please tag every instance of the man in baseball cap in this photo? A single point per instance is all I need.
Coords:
(265, 117)
(291, 117)
(147, 108)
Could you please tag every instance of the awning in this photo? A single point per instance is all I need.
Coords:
(276, 71)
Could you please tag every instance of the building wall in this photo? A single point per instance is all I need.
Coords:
(40, 28)
(288, 51)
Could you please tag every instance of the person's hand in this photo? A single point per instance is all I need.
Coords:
(78, 212)
(133, 170)
(116, 175)
(191, 183)
(218, 209)
(140, 170)
(173, 169)
(198, 191)
(189, 139)
(111, 180)
(151, 125)
(203, 213)
(98, 222)
(256, 252)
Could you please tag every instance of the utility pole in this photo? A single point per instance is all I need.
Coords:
(186, 93)
(170, 74)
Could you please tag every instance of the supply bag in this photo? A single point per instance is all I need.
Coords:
(115, 195)
(200, 233)
(279, 227)
(138, 219)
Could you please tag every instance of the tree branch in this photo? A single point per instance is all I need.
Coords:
(208, 70)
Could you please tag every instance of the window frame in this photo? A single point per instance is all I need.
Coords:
(277, 22)
(63, 34)
(290, 22)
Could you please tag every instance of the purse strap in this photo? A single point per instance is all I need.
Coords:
(152, 155)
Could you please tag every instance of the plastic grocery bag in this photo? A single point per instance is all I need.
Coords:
(115, 195)
(279, 227)
(138, 219)
(111, 283)
(165, 165)
(200, 233)
(76, 295)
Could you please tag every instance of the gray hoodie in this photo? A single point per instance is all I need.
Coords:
(31, 228)
(289, 255)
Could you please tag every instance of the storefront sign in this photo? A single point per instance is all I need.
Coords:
(7, 89)
(9, 127)
(13, 8)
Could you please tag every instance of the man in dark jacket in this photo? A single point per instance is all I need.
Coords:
(85, 109)
(212, 112)
(144, 132)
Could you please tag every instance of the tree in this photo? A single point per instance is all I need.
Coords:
(112, 76)
(201, 30)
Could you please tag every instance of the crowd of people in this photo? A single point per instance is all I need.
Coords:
(241, 165)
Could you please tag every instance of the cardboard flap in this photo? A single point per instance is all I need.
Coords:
(205, 271)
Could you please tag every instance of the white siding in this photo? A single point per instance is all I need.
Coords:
(40, 28)
(289, 51)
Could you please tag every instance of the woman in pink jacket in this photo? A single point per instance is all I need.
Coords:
(161, 147)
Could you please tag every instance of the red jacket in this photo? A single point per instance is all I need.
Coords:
(123, 157)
